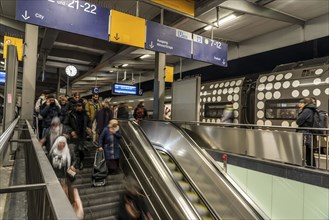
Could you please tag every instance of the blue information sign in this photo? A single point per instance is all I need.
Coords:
(211, 51)
(124, 89)
(168, 40)
(74, 16)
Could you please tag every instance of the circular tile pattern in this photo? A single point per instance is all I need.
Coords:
(219, 91)
(279, 77)
(218, 120)
(214, 92)
(213, 99)
(221, 85)
(219, 98)
(285, 124)
(326, 91)
(236, 121)
(236, 97)
(204, 99)
(232, 83)
(318, 71)
(306, 92)
(263, 79)
(235, 105)
(260, 122)
(261, 87)
(318, 103)
(327, 80)
(209, 99)
(260, 96)
(227, 84)
(295, 93)
(269, 86)
(229, 98)
(216, 85)
(230, 90)
(268, 95)
(288, 75)
(238, 82)
(286, 84)
(260, 105)
(224, 91)
(277, 85)
(277, 94)
(268, 123)
(203, 120)
(271, 78)
(201, 93)
(236, 114)
(208, 120)
(213, 120)
(260, 114)
(236, 89)
(211, 86)
(202, 87)
(317, 81)
(294, 124)
(316, 92)
(295, 83)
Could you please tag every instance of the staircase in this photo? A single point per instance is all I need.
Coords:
(98, 202)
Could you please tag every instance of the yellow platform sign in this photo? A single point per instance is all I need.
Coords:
(185, 6)
(169, 74)
(18, 42)
(127, 29)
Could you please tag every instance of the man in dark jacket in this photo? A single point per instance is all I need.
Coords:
(79, 122)
(123, 111)
(49, 110)
(305, 119)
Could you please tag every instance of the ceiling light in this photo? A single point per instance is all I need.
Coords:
(145, 56)
(111, 71)
(227, 19)
(2, 62)
(207, 28)
(124, 65)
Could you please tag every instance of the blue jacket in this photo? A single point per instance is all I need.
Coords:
(110, 144)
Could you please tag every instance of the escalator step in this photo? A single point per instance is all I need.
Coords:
(165, 157)
(105, 188)
(171, 166)
(184, 185)
(178, 175)
(193, 197)
(201, 209)
(101, 194)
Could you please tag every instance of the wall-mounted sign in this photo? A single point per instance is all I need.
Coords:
(127, 29)
(168, 40)
(18, 42)
(185, 6)
(211, 51)
(124, 89)
(169, 74)
(76, 16)
(95, 90)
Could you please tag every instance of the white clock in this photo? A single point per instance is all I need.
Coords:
(71, 70)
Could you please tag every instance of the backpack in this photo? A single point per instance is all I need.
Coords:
(320, 120)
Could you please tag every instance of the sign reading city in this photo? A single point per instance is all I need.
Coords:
(211, 51)
(127, 29)
(74, 16)
(168, 40)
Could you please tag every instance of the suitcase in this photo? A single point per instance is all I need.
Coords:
(99, 172)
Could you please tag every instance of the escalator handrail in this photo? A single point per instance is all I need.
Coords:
(234, 188)
(189, 180)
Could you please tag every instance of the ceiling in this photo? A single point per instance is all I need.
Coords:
(99, 62)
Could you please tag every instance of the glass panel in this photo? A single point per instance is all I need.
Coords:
(215, 110)
(281, 109)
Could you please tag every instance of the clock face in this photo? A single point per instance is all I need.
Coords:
(71, 70)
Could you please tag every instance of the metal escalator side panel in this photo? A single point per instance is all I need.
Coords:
(226, 204)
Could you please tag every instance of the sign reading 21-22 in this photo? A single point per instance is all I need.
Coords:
(211, 51)
(74, 16)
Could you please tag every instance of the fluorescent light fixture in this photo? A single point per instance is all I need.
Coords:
(2, 62)
(111, 71)
(207, 28)
(145, 56)
(124, 65)
(227, 19)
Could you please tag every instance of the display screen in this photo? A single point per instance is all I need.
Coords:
(123, 89)
(2, 76)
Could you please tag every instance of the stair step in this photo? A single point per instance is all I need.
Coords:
(101, 194)
(100, 211)
(87, 202)
(105, 188)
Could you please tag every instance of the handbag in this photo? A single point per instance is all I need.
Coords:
(71, 174)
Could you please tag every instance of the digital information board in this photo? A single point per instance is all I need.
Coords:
(123, 89)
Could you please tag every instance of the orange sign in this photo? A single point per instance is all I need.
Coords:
(18, 42)
(185, 6)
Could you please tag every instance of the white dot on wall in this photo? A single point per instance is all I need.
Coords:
(235, 105)
(279, 77)
(269, 86)
(285, 124)
(263, 79)
(268, 95)
(230, 90)
(271, 78)
(236, 89)
(227, 84)
(286, 84)
(221, 85)
(316, 92)
(260, 114)
(209, 99)
(288, 75)
(235, 121)
(260, 105)
(219, 91)
(277, 85)
(224, 91)
(318, 71)
(305, 92)
(318, 103)
(204, 99)
(218, 120)
(232, 83)
(317, 81)
(216, 85)
(200, 99)
(229, 98)
(205, 93)
(294, 124)
(201, 94)
(213, 120)
(260, 122)
(214, 99)
(261, 87)
(214, 92)
(238, 82)
(236, 97)
(268, 123)
(327, 80)
(208, 120)
(295, 83)
(236, 114)
(277, 94)
(260, 96)
(295, 93)
(219, 98)
(327, 91)
(211, 86)
(203, 120)
(203, 114)
(202, 87)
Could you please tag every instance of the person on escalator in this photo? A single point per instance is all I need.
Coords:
(109, 142)
(132, 204)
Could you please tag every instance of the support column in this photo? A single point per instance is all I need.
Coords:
(10, 87)
(159, 86)
(29, 71)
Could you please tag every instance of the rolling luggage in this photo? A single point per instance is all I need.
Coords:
(99, 172)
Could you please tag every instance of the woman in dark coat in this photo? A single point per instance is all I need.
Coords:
(109, 142)
(305, 119)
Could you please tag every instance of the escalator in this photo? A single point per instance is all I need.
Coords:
(140, 161)
(222, 197)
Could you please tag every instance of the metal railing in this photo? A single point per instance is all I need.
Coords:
(45, 196)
